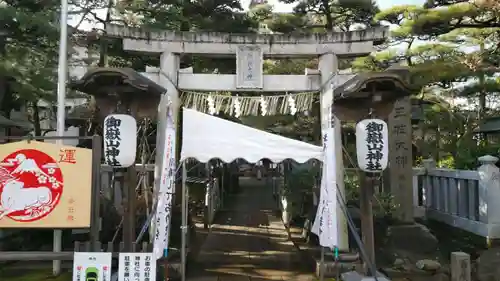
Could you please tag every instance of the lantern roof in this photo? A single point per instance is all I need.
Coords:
(120, 89)
(108, 81)
(372, 93)
(391, 83)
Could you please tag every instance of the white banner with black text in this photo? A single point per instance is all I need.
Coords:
(166, 191)
(325, 223)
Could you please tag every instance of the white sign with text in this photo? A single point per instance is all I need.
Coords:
(136, 267)
(91, 266)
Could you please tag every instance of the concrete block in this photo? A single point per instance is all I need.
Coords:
(460, 266)
(332, 268)
(355, 276)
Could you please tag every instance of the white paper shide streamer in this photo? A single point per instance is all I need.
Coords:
(248, 105)
(291, 104)
(237, 107)
(325, 223)
(263, 106)
(166, 191)
(211, 105)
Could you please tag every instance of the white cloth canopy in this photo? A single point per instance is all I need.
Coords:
(206, 137)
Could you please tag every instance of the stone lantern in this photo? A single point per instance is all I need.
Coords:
(382, 95)
(123, 90)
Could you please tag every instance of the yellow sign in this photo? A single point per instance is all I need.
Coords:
(44, 185)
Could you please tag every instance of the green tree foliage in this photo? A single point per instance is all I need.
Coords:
(29, 56)
(217, 15)
(277, 22)
(460, 38)
(330, 15)
(451, 48)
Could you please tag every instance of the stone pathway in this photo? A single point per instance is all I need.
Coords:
(249, 242)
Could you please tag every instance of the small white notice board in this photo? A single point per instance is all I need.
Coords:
(136, 267)
(92, 266)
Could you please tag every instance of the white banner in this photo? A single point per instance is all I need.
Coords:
(325, 223)
(166, 191)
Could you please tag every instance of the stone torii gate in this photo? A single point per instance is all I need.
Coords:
(250, 49)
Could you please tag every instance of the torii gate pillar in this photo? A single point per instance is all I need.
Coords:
(167, 77)
(169, 64)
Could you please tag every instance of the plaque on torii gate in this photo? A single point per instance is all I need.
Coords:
(249, 67)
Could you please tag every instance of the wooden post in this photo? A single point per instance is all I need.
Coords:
(400, 159)
(460, 266)
(366, 195)
(129, 196)
(129, 209)
(95, 226)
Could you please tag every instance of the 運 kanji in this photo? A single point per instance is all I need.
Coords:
(67, 156)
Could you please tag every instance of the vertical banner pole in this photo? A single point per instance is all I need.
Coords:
(62, 74)
(184, 222)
